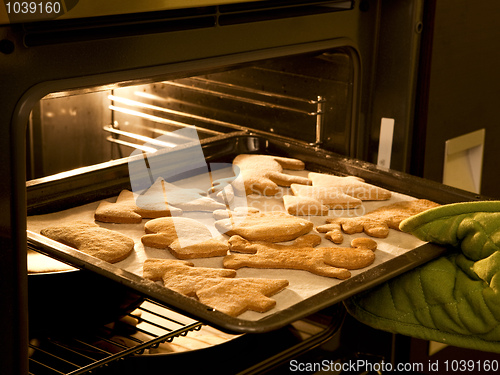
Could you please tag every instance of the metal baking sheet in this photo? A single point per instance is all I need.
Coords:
(77, 195)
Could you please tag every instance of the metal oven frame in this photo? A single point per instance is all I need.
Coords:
(57, 56)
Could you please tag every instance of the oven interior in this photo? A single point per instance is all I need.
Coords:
(309, 97)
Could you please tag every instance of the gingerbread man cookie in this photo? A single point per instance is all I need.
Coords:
(300, 255)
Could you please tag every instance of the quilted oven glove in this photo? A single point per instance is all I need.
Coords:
(454, 299)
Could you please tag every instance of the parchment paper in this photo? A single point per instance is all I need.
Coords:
(303, 284)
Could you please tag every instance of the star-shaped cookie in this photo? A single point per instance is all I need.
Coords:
(186, 199)
(126, 211)
(354, 186)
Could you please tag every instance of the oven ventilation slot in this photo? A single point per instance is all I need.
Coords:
(154, 118)
(75, 30)
(269, 10)
(138, 333)
(105, 27)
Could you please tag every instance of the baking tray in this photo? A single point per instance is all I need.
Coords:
(91, 184)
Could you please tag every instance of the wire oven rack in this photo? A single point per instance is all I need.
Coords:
(155, 329)
(138, 106)
(137, 333)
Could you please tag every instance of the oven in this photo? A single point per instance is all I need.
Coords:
(88, 93)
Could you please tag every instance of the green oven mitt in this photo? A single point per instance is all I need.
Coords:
(454, 299)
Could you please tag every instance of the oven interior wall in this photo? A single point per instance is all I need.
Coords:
(305, 97)
(66, 132)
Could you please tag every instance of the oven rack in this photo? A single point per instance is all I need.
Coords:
(152, 108)
(141, 334)
(147, 327)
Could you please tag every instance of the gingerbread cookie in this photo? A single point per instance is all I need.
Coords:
(271, 226)
(364, 243)
(262, 174)
(359, 255)
(223, 189)
(91, 239)
(354, 186)
(185, 238)
(216, 288)
(375, 223)
(235, 296)
(237, 212)
(181, 275)
(304, 206)
(126, 211)
(333, 232)
(187, 200)
(331, 197)
(300, 255)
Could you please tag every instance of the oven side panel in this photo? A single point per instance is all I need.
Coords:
(394, 80)
(79, 121)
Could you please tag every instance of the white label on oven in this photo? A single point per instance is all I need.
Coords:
(385, 143)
